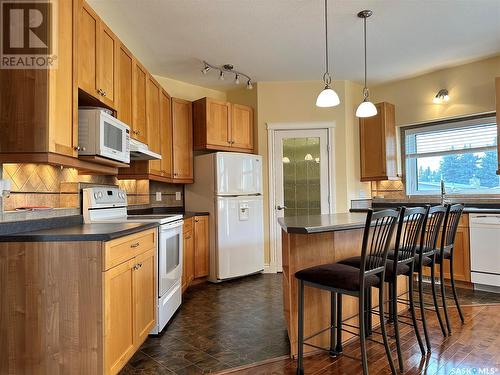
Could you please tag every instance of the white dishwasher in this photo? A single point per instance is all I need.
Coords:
(485, 251)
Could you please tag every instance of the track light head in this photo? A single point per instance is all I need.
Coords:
(206, 69)
(236, 79)
(221, 75)
(249, 85)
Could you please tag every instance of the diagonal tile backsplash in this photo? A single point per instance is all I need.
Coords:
(46, 185)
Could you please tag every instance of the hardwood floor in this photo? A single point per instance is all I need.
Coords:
(473, 348)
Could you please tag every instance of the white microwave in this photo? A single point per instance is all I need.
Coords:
(101, 134)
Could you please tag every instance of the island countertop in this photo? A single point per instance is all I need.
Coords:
(323, 223)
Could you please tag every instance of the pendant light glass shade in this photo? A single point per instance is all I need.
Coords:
(327, 98)
(366, 109)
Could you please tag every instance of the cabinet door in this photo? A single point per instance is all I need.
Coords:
(461, 257)
(218, 123)
(372, 139)
(165, 134)
(139, 103)
(188, 259)
(88, 30)
(119, 338)
(153, 123)
(144, 295)
(182, 140)
(106, 65)
(125, 74)
(242, 127)
(201, 246)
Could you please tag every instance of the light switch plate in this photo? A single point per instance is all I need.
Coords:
(178, 196)
(158, 196)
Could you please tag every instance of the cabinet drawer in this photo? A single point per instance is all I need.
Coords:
(125, 248)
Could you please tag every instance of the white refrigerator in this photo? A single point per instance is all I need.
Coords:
(228, 186)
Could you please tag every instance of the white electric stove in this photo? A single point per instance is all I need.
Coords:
(109, 205)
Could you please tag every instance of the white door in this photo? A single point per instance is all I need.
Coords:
(238, 174)
(240, 236)
(301, 164)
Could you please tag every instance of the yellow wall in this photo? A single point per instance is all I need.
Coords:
(295, 102)
(471, 87)
(187, 91)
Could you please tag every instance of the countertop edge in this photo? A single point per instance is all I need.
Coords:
(100, 237)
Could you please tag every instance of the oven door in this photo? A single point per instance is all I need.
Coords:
(114, 138)
(169, 256)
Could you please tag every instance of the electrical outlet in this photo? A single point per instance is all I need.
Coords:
(178, 196)
(158, 196)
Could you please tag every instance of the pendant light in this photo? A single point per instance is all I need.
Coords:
(366, 108)
(328, 97)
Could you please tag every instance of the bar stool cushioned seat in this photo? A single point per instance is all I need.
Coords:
(402, 269)
(446, 253)
(336, 275)
(425, 260)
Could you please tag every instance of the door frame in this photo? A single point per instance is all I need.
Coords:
(272, 128)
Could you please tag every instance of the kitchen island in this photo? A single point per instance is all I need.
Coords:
(312, 240)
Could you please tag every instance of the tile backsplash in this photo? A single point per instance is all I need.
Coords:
(46, 185)
(388, 189)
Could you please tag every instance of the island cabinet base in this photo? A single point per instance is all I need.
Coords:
(300, 251)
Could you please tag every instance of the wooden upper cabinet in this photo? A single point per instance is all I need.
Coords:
(96, 55)
(125, 77)
(219, 125)
(378, 144)
(88, 29)
(153, 122)
(37, 105)
(182, 140)
(242, 127)
(106, 64)
(166, 134)
(139, 123)
(497, 84)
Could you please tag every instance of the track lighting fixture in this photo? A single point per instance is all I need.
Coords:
(227, 68)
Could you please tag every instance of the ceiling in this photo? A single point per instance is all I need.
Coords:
(275, 40)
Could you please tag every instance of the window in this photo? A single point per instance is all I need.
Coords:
(462, 152)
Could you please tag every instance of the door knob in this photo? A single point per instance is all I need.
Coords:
(279, 208)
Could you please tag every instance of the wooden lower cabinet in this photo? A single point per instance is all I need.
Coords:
(201, 246)
(65, 310)
(129, 305)
(188, 254)
(461, 255)
(196, 250)
(119, 340)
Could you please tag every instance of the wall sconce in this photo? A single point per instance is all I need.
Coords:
(441, 97)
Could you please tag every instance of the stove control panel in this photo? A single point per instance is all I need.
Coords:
(103, 197)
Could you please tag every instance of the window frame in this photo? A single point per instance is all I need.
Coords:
(411, 181)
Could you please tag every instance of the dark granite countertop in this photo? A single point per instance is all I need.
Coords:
(78, 232)
(166, 210)
(322, 223)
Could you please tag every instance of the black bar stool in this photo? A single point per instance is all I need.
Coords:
(427, 257)
(445, 253)
(342, 279)
(408, 239)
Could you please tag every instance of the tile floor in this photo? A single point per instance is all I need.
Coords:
(222, 326)
(218, 326)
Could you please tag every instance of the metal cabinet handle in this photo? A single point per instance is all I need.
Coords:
(279, 208)
(104, 93)
(137, 266)
(134, 245)
(78, 148)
